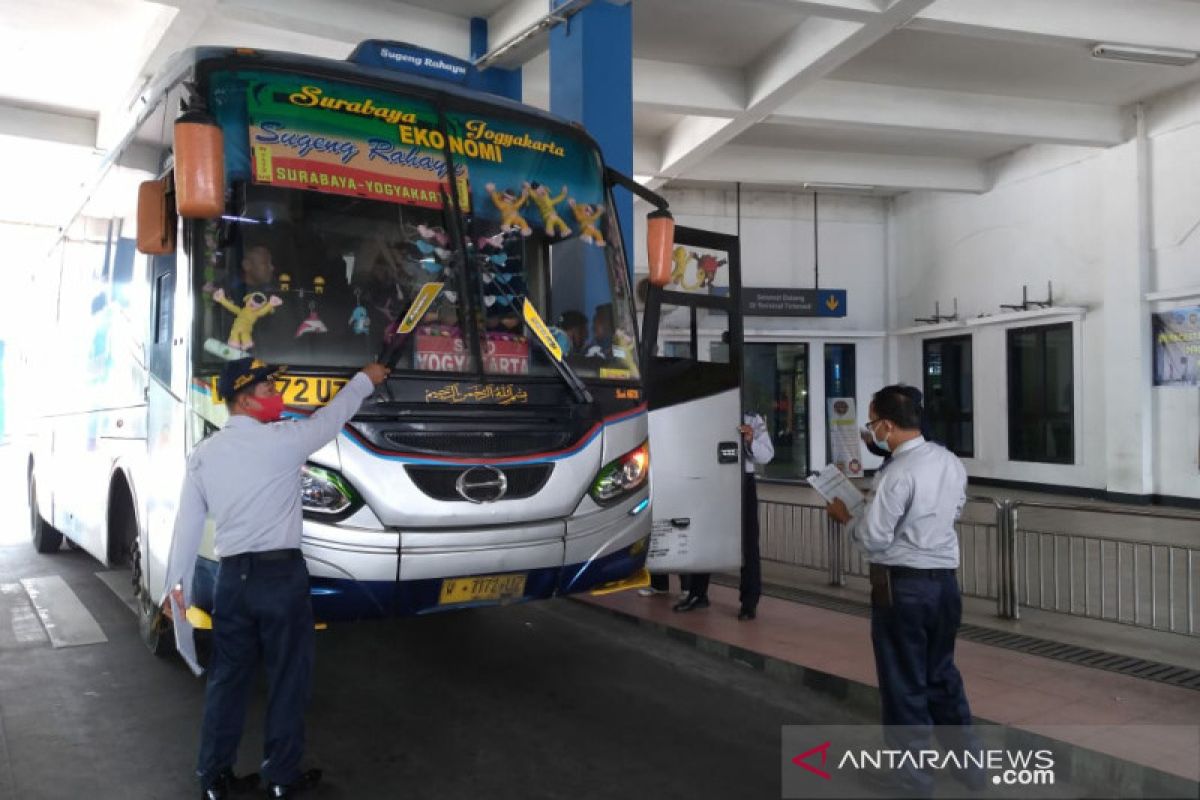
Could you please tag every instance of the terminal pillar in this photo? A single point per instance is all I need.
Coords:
(591, 82)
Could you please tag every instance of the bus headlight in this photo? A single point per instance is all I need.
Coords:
(623, 476)
(324, 493)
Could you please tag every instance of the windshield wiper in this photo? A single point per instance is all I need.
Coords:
(397, 335)
(543, 336)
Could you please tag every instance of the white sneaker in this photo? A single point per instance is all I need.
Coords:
(647, 591)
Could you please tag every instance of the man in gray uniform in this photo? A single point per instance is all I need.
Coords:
(246, 476)
(907, 532)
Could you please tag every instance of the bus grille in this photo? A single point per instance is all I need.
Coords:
(440, 482)
(490, 444)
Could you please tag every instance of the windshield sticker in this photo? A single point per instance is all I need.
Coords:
(542, 180)
(306, 134)
(503, 394)
(441, 348)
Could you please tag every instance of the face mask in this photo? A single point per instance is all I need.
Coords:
(882, 444)
(868, 440)
(267, 409)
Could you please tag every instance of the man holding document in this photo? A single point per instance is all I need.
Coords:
(906, 527)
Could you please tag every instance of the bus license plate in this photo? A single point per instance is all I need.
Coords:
(478, 588)
(309, 391)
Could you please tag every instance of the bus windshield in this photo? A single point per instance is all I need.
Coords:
(344, 217)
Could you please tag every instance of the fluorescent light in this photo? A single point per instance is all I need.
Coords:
(838, 187)
(1145, 55)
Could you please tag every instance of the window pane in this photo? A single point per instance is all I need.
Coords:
(1041, 394)
(776, 386)
(948, 400)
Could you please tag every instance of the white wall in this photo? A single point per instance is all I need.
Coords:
(1072, 216)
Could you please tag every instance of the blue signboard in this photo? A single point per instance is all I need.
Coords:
(414, 60)
(759, 302)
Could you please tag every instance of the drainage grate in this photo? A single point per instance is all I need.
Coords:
(1072, 654)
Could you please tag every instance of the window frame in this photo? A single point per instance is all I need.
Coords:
(962, 416)
(1040, 456)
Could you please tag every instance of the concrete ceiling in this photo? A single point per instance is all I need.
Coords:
(893, 94)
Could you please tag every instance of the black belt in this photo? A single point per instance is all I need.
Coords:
(914, 572)
(265, 555)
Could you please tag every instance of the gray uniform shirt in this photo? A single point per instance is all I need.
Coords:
(909, 518)
(760, 450)
(246, 476)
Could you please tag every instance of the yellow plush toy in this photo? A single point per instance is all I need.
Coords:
(546, 206)
(509, 205)
(256, 305)
(586, 215)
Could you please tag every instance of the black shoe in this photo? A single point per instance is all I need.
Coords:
(747, 613)
(691, 604)
(227, 783)
(302, 784)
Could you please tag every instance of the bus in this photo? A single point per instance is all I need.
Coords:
(321, 214)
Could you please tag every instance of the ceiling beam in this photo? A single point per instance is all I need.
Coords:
(852, 10)
(28, 122)
(793, 168)
(809, 52)
(1151, 23)
(177, 35)
(688, 88)
(352, 21)
(866, 105)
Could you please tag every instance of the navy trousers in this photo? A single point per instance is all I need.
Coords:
(261, 609)
(919, 685)
(750, 588)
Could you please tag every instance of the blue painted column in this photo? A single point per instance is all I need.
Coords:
(504, 82)
(591, 82)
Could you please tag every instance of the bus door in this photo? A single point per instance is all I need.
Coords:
(692, 340)
(166, 360)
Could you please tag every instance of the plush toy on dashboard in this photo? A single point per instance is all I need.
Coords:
(547, 206)
(509, 205)
(312, 323)
(586, 215)
(255, 306)
(360, 320)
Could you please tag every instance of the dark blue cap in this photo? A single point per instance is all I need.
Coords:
(244, 372)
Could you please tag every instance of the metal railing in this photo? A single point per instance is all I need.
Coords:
(1116, 579)
(1132, 581)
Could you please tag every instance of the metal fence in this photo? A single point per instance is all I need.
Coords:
(1125, 580)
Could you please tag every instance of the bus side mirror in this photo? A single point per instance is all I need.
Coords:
(660, 239)
(155, 221)
(199, 167)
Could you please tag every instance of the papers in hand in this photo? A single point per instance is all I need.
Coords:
(832, 484)
(185, 640)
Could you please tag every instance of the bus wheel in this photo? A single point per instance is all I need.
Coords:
(155, 629)
(153, 626)
(45, 538)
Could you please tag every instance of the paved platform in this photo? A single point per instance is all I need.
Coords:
(1028, 692)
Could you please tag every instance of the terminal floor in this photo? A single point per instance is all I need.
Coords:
(1084, 706)
(544, 700)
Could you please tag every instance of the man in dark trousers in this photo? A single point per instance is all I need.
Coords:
(756, 449)
(907, 531)
(246, 476)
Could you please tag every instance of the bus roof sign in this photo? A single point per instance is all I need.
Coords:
(411, 59)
